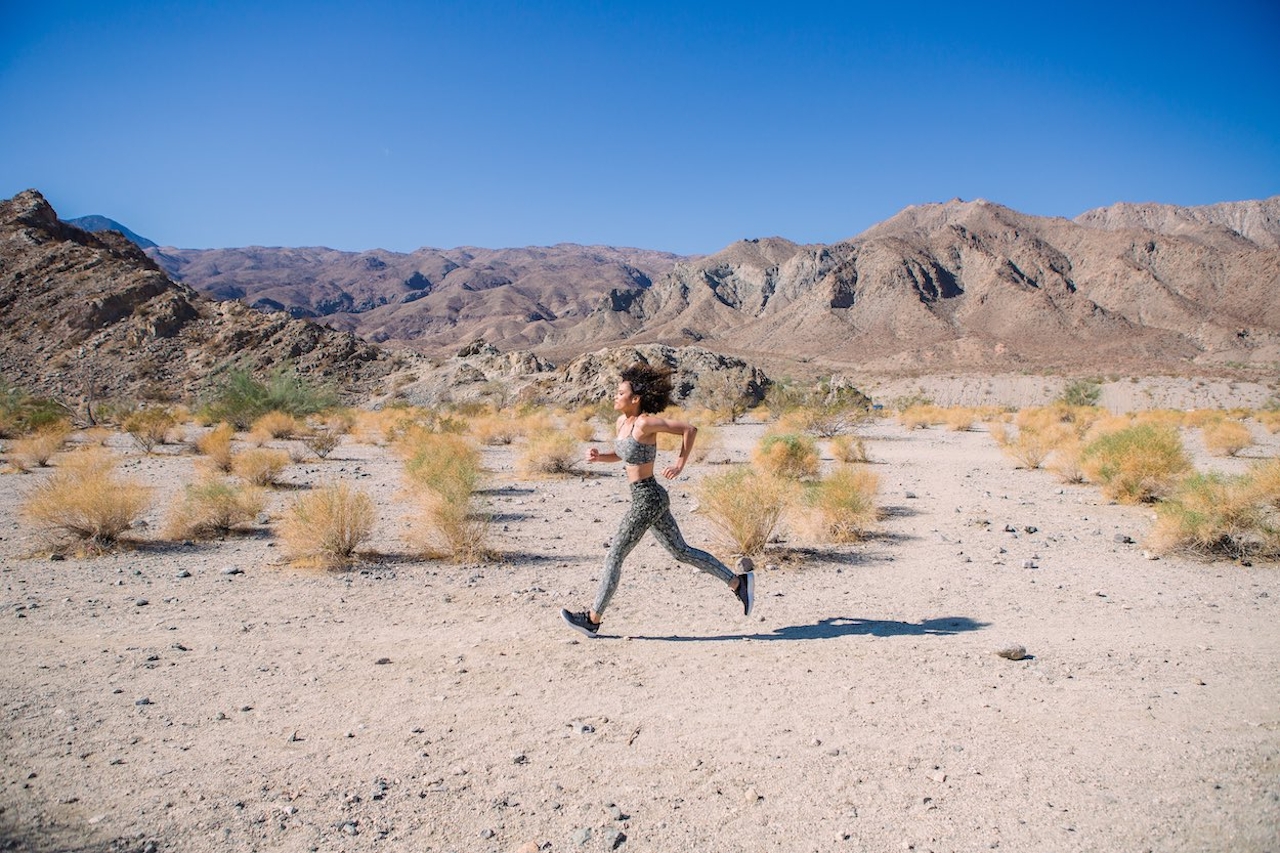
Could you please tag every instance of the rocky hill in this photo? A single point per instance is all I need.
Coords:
(937, 287)
(977, 285)
(430, 299)
(95, 223)
(89, 316)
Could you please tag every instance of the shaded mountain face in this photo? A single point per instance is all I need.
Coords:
(430, 300)
(95, 223)
(976, 285)
(89, 316)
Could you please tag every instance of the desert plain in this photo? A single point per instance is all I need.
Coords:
(207, 696)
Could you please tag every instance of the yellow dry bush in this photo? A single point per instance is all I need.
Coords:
(920, 415)
(848, 448)
(275, 424)
(1108, 424)
(149, 427)
(321, 442)
(841, 507)
(583, 431)
(789, 455)
(85, 502)
(1269, 418)
(216, 445)
(214, 506)
(35, 450)
(259, 466)
(550, 454)
(1161, 417)
(1216, 515)
(1033, 444)
(707, 440)
(760, 414)
(1264, 483)
(1138, 464)
(495, 430)
(959, 418)
(744, 507)
(999, 433)
(96, 436)
(1064, 460)
(1226, 437)
(445, 472)
(1202, 417)
(534, 423)
(338, 421)
(325, 527)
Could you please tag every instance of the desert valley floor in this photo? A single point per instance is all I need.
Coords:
(207, 697)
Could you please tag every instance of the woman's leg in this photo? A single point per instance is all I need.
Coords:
(667, 532)
(647, 502)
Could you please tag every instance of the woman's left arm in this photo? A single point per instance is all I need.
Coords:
(687, 432)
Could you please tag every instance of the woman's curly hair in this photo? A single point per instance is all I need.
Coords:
(652, 384)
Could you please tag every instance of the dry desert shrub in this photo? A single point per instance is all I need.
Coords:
(841, 507)
(848, 448)
(1269, 418)
(36, 449)
(960, 418)
(1064, 460)
(275, 424)
(260, 466)
(215, 445)
(214, 506)
(321, 442)
(149, 427)
(707, 439)
(760, 414)
(324, 527)
(744, 507)
(1161, 417)
(1033, 444)
(1264, 482)
(790, 455)
(85, 502)
(1226, 437)
(1202, 417)
(550, 454)
(495, 430)
(1215, 515)
(1137, 464)
(445, 473)
(338, 421)
(920, 416)
(582, 431)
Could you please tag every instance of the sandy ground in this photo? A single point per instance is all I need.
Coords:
(155, 701)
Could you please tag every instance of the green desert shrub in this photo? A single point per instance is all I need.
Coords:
(22, 413)
(744, 507)
(85, 502)
(1137, 464)
(325, 527)
(240, 398)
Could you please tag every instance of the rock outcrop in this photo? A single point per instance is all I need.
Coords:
(89, 316)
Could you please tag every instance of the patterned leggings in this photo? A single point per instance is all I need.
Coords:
(651, 509)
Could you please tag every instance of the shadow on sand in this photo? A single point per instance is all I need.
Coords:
(847, 626)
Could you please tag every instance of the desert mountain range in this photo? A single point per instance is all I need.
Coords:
(936, 287)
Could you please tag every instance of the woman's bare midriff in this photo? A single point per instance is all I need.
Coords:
(636, 473)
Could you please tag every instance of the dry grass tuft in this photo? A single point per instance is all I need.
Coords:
(216, 445)
(550, 454)
(445, 472)
(495, 430)
(324, 527)
(260, 466)
(35, 450)
(213, 507)
(276, 424)
(1270, 419)
(744, 507)
(789, 455)
(321, 442)
(85, 502)
(150, 427)
(848, 448)
(841, 507)
(1226, 437)
(1215, 515)
(920, 416)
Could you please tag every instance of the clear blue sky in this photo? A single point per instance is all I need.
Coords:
(678, 126)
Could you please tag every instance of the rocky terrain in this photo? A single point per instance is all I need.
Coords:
(938, 287)
(89, 316)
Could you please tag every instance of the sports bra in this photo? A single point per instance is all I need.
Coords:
(634, 452)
